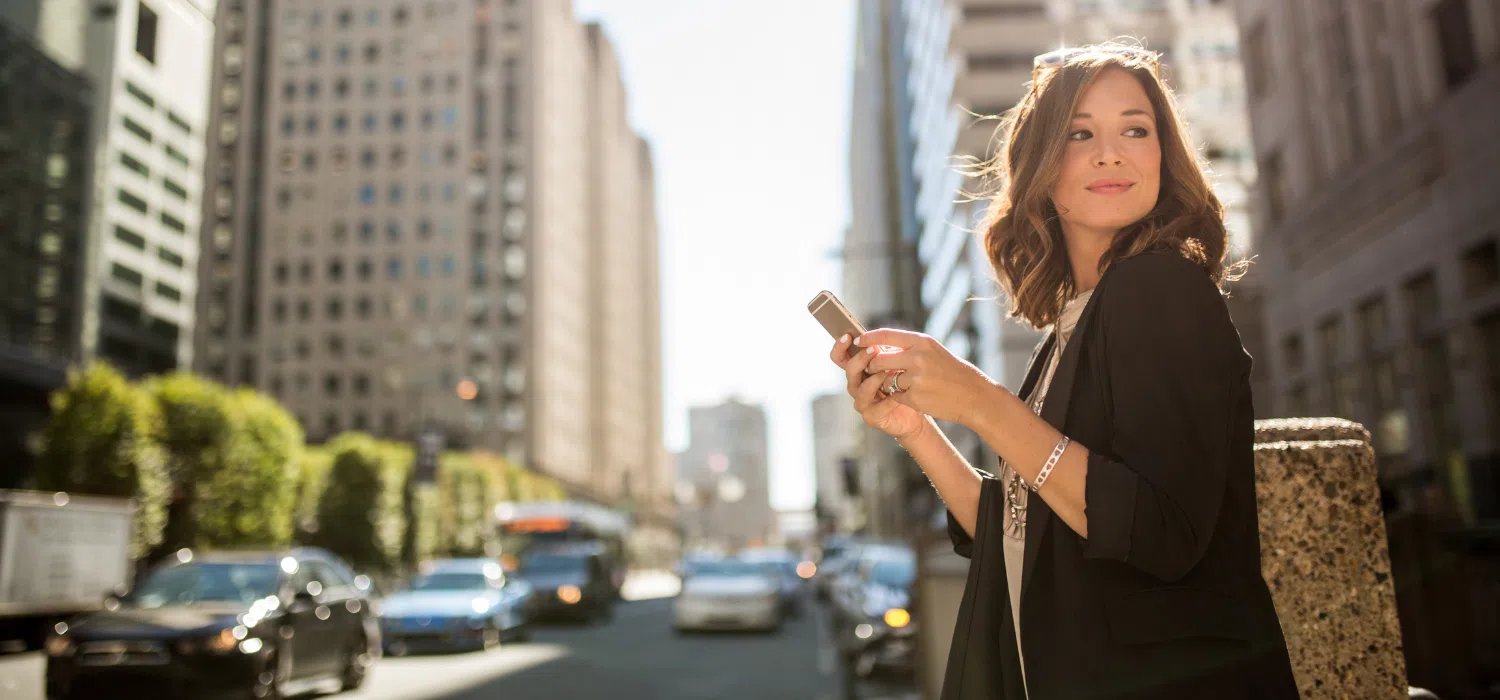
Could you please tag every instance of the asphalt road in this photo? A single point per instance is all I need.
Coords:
(634, 655)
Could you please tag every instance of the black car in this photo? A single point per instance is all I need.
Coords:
(569, 582)
(872, 617)
(242, 624)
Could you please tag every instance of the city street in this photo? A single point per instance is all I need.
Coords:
(635, 655)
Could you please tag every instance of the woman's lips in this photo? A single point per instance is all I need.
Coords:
(1110, 189)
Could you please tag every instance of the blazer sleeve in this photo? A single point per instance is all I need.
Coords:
(963, 544)
(1174, 362)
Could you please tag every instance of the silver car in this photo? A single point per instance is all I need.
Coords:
(729, 594)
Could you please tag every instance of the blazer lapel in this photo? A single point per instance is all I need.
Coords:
(1055, 412)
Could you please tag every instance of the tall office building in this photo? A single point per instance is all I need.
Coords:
(44, 165)
(724, 476)
(453, 230)
(149, 62)
(1375, 139)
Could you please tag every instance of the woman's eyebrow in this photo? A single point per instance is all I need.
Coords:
(1126, 113)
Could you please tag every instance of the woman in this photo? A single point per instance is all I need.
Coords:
(1117, 552)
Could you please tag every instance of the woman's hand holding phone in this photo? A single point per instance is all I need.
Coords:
(876, 407)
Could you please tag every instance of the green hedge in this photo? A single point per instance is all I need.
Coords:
(211, 467)
(361, 513)
(102, 439)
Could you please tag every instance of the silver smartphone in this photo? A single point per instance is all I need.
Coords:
(835, 317)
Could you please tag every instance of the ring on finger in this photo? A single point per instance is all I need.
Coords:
(894, 387)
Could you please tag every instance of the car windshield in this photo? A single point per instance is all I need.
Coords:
(207, 582)
(552, 564)
(893, 573)
(449, 581)
(730, 568)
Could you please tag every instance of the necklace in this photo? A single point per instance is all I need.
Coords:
(1016, 490)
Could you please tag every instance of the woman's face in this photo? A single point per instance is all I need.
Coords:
(1111, 168)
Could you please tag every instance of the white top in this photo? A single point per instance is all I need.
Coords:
(1015, 547)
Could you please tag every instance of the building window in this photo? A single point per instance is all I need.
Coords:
(139, 94)
(424, 267)
(335, 345)
(398, 120)
(336, 270)
(130, 200)
(341, 54)
(1455, 38)
(331, 384)
(1422, 305)
(393, 269)
(365, 269)
(1275, 187)
(1481, 267)
(1291, 353)
(126, 275)
(145, 32)
(369, 121)
(179, 122)
(395, 194)
(134, 165)
(130, 238)
(393, 231)
(366, 232)
(177, 156)
(367, 158)
(140, 131)
(367, 194)
(372, 52)
(334, 309)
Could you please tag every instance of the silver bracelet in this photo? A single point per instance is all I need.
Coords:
(1041, 477)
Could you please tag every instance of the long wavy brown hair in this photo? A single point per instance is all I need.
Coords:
(1021, 230)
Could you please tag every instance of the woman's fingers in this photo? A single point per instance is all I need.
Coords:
(867, 394)
(854, 370)
(840, 352)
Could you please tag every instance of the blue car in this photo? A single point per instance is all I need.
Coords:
(456, 604)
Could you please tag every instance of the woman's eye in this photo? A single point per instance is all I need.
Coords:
(1141, 129)
(1079, 135)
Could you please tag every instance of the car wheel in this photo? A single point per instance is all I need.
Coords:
(267, 685)
(356, 664)
(490, 638)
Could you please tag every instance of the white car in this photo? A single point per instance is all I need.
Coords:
(728, 594)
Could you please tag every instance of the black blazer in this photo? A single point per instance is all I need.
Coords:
(1165, 598)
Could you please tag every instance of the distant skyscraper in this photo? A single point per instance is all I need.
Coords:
(454, 228)
(726, 462)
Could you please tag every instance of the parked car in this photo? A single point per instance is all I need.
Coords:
(783, 565)
(839, 554)
(456, 603)
(729, 594)
(266, 624)
(873, 623)
(571, 582)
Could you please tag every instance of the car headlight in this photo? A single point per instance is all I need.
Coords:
(480, 606)
(569, 594)
(60, 645)
(897, 618)
(223, 642)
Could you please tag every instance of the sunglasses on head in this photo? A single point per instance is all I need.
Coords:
(1052, 59)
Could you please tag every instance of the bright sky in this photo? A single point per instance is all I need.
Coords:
(746, 106)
